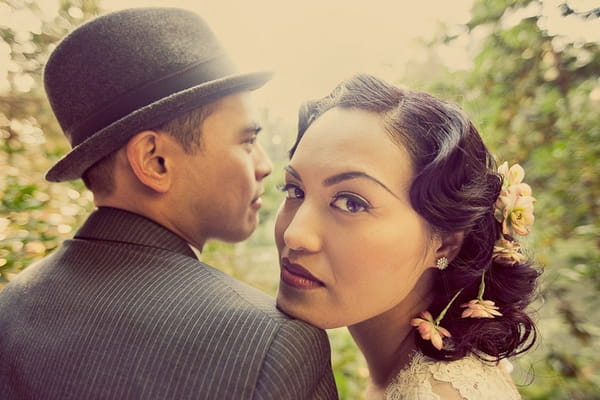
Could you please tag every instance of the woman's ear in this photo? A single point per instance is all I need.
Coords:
(450, 245)
(146, 155)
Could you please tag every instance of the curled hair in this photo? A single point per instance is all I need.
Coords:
(454, 189)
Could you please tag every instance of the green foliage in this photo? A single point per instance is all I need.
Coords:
(350, 369)
(35, 216)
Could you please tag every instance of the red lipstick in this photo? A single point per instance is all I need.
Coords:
(297, 276)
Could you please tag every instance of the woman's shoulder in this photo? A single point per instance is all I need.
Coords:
(469, 378)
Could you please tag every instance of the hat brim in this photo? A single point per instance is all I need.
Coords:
(116, 135)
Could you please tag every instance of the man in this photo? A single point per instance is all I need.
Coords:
(163, 134)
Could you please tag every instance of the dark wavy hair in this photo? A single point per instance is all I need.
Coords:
(454, 189)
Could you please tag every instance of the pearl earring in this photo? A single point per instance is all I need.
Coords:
(441, 263)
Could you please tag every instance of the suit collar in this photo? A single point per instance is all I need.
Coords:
(113, 224)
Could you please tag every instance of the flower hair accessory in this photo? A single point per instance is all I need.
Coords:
(480, 308)
(514, 210)
(430, 329)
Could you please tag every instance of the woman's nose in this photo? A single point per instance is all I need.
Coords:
(302, 233)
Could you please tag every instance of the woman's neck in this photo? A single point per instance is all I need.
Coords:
(387, 340)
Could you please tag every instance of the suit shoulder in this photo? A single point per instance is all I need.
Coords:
(261, 303)
(254, 298)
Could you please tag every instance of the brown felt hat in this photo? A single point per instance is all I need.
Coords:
(131, 70)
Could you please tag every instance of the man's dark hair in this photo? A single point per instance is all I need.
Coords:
(99, 178)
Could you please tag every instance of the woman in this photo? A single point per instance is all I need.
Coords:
(397, 225)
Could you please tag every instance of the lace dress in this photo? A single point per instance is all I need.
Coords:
(467, 379)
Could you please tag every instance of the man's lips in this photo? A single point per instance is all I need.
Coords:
(257, 201)
(297, 276)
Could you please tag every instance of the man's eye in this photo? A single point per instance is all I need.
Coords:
(350, 203)
(251, 140)
(292, 191)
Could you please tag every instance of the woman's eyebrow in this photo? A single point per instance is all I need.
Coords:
(292, 172)
(344, 176)
(337, 178)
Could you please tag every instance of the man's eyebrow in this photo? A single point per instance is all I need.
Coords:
(332, 180)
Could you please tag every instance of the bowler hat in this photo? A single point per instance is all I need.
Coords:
(132, 70)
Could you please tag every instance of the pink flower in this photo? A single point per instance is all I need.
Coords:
(503, 170)
(508, 251)
(429, 330)
(514, 206)
(512, 176)
(480, 309)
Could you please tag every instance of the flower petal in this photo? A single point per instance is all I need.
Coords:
(436, 341)
(516, 173)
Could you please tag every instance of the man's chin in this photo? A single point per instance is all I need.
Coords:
(239, 235)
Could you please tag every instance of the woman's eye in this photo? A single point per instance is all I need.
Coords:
(350, 203)
(292, 191)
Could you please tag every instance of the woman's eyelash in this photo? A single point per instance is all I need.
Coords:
(346, 202)
(350, 203)
(293, 191)
(283, 187)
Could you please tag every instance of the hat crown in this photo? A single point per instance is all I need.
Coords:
(107, 58)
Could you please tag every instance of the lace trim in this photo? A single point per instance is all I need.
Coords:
(469, 377)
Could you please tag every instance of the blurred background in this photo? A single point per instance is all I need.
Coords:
(528, 73)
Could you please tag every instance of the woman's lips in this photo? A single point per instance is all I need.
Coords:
(297, 276)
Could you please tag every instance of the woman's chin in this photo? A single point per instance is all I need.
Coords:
(303, 313)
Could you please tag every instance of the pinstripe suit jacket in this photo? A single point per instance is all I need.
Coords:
(126, 311)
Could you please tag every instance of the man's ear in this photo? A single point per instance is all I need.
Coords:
(450, 245)
(146, 155)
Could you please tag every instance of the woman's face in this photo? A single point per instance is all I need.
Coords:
(350, 245)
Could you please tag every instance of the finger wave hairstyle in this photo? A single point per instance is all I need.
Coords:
(454, 189)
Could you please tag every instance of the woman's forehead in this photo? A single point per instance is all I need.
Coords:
(343, 140)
